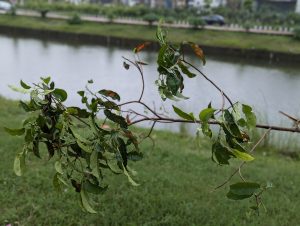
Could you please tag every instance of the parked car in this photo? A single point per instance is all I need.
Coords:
(6, 6)
(214, 19)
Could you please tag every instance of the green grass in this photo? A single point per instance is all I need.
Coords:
(204, 37)
(176, 181)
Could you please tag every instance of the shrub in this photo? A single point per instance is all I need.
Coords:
(169, 20)
(13, 11)
(247, 26)
(150, 18)
(75, 19)
(44, 12)
(196, 22)
(297, 33)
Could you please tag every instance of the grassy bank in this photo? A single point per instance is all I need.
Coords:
(203, 37)
(176, 177)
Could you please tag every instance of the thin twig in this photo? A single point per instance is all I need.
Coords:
(141, 73)
(209, 80)
(243, 163)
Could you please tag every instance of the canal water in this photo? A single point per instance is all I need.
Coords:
(268, 87)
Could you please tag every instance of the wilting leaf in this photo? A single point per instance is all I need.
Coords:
(110, 93)
(140, 47)
(198, 51)
(183, 114)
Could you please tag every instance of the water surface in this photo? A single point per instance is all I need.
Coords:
(269, 88)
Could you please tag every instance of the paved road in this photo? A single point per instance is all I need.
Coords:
(101, 19)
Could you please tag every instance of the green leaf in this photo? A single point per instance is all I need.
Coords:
(85, 203)
(221, 154)
(242, 155)
(109, 93)
(112, 165)
(93, 188)
(129, 177)
(18, 89)
(206, 129)
(231, 125)
(206, 114)
(80, 138)
(19, 164)
(179, 95)
(46, 80)
(36, 99)
(24, 85)
(243, 189)
(183, 114)
(84, 147)
(135, 156)
(15, 132)
(185, 70)
(58, 167)
(250, 116)
(60, 178)
(116, 118)
(81, 113)
(160, 35)
(233, 196)
(56, 183)
(81, 93)
(94, 164)
(60, 94)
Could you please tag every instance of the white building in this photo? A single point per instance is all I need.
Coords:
(298, 6)
(202, 3)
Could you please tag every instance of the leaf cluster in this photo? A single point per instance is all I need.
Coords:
(82, 154)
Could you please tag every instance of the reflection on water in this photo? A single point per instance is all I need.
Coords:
(269, 88)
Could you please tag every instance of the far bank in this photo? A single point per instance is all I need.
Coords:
(220, 43)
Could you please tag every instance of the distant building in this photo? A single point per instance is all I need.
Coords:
(201, 3)
(168, 4)
(298, 6)
(278, 5)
